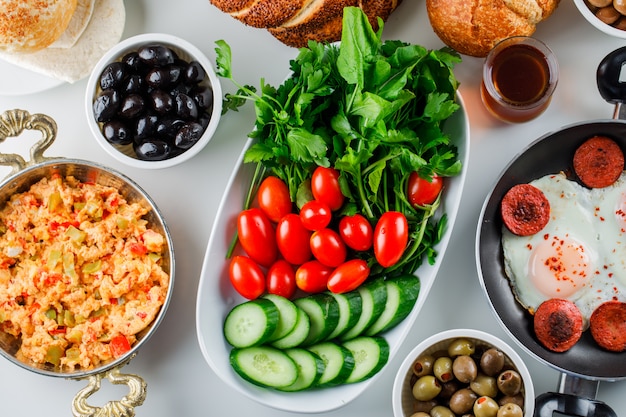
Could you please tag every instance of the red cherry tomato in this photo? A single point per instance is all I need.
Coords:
(420, 191)
(247, 277)
(348, 276)
(315, 215)
(391, 235)
(293, 239)
(356, 231)
(257, 236)
(312, 276)
(281, 279)
(325, 187)
(328, 248)
(273, 198)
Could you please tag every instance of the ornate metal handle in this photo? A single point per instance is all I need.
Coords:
(13, 123)
(122, 408)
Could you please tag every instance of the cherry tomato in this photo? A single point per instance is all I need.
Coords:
(257, 236)
(315, 215)
(273, 198)
(325, 187)
(420, 191)
(328, 248)
(247, 277)
(391, 235)
(312, 276)
(348, 276)
(293, 239)
(356, 231)
(281, 279)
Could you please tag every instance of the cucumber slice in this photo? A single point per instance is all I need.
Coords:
(310, 369)
(338, 363)
(370, 355)
(299, 333)
(251, 323)
(264, 366)
(323, 311)
(402, 292)
(287, 315)
(374, 297)
(350, 305)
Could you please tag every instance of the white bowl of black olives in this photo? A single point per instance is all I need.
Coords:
(463, 372)
(153, 101)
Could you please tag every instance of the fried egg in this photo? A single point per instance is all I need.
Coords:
(580, 255)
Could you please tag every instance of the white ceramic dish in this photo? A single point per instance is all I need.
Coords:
(216, 297)
(402, 400)
(584, 9)
(185, 50)
(17, 81)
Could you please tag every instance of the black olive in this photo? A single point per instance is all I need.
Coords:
(146, 126)
(134, 63)
(156, 55)
(161, 102)
(132, 105)
(113, 75)
(117, 132)
(105, 105)
(204, 119)
(188, 135)
(168, 128)
(153, 150)
(181, 88)
(186, 107)
(203, 96)
(134, 84)
(158, 78)
(194, 72)
(175, 73)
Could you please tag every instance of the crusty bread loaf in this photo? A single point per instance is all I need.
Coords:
(32, 25)
(473, 27)
(295, 22)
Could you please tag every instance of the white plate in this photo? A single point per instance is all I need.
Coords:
(17, 81)
(216, 297)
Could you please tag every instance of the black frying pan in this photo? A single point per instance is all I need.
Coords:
(584, 365)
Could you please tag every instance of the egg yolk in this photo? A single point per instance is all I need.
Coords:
(559, 266)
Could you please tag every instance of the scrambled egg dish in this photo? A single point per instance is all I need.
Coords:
(80, 273)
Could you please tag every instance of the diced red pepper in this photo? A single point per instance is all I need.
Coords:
(58, 330)
(119, 345)
(138, 249)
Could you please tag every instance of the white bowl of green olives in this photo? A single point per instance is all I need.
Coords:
(153, 101)
(609, 16)
(463, 372)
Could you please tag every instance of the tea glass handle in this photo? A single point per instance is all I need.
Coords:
(611, 80)
(13, 123)
(137, 389)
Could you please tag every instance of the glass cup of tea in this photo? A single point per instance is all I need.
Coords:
(519, 76)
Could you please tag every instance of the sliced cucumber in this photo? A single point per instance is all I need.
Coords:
(323, 311)
(338, 363)
(264, 366)
(373, 297)
(287, 315)
(350, 305)
(251, 323)
(402, 292)
(310, 369)
(370, 355)
(299, 333)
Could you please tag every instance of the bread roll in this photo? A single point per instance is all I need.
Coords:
(32, 25)
(473, 27)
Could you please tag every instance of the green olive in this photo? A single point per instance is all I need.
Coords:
(441, 411)
(509, 382)
(512, 399)
(492, 361)
(426, 388)
(464, 368)
(484, 385)
(462, 401)
(443, 369)
(424, 406)
(423, 365)
(510, 410)
(420, 414)
(461, 347)
(486, 407)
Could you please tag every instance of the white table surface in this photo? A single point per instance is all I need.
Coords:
(180, 383)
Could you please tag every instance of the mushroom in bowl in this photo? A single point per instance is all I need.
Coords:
(153, 101)
(463, 371)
